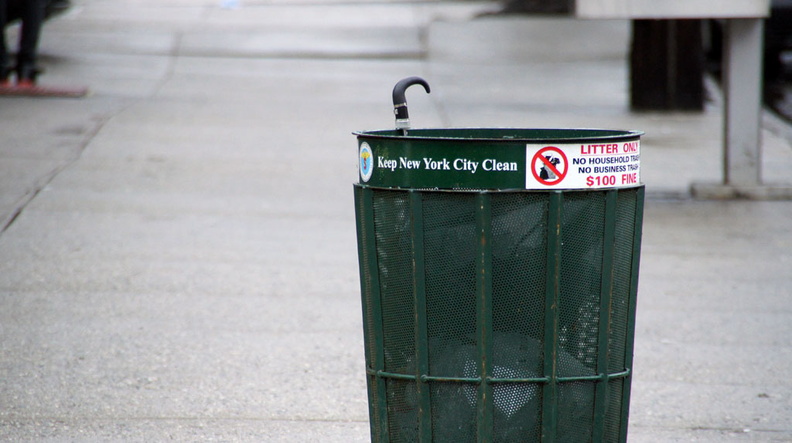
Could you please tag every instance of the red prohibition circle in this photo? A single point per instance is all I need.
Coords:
(559, 174)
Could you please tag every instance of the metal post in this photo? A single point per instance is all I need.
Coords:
(742, 65)
(742, 85)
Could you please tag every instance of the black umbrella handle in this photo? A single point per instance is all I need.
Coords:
(400, 101)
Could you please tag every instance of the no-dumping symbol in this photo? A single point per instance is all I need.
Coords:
(549, 166)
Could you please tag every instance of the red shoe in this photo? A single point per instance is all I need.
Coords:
(26, 75)
(26, 83)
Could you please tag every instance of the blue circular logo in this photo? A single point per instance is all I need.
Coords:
(366, 162)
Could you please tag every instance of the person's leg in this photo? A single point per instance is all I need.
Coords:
(32, 14)
(5, 63)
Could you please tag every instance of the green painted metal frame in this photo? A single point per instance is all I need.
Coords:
(605, 312)
(631, 313)
(552, 293)
(484, 309)
(421, 329)
(370, 292)
(370, 286)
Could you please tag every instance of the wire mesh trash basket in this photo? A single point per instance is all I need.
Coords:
(498, 287)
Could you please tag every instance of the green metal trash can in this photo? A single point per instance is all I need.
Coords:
(499, 273)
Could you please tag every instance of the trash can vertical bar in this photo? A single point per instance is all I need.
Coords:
(552, 288)
(372, 318)
(606, 293)
(484, 321)
(421, 331)
(630, 340)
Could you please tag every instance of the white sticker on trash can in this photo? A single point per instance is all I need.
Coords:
(583, 165)
(366, 159)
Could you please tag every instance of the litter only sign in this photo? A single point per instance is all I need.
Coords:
(583, 165)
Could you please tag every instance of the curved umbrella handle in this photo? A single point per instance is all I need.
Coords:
(400, 101)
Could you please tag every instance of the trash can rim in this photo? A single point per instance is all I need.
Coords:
(543, 135)
(462, 190)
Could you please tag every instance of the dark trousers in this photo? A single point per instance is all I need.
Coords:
(31, 13)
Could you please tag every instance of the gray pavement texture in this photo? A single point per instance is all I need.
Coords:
(178, 255)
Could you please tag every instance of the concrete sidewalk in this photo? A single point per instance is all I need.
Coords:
(178, 255)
